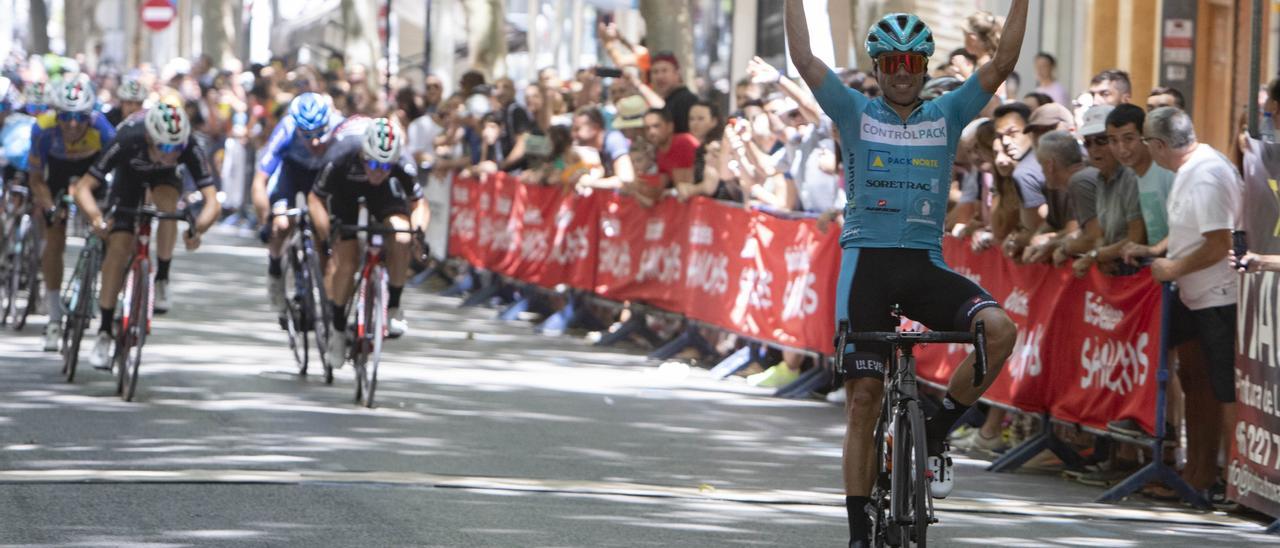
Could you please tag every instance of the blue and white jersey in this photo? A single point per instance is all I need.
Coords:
(15, 137)
(287, 152)
(898, 175)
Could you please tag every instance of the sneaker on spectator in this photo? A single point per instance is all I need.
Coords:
(774, 377)
(836, 396)
(978, 443)
(961, 432)
(1217, 495)
(1105, 476)
(1128, 427)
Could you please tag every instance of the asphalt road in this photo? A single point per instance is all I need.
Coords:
(485, 435)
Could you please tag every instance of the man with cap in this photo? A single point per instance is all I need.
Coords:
(666, 89)
(1119, 214)
(1050, 117)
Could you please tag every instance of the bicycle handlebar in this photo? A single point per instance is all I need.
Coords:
(151, 212)
(978, 338)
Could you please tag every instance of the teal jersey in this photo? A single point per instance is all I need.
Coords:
(898, 175)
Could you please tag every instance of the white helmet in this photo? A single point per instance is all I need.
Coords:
(35, 93)
(382, 139)
(131, 90)
(73, 95)
(167, 125)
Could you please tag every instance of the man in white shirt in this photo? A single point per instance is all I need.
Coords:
(1204, 209)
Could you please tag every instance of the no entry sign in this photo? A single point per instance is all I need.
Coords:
(157, 14)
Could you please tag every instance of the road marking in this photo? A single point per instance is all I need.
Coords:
(704, 492)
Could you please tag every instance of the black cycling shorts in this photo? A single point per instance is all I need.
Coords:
(131, 192)
(872, 280)
(382, 201)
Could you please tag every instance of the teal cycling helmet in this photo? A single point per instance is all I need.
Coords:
(900, 32)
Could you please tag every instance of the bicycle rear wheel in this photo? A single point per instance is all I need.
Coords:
(134, 330)
(16, 262)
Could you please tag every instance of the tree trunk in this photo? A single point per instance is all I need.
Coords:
(39, 27)
(82, 30)
(219, 36)
(360, 33)
(486, 36)
(668, 28)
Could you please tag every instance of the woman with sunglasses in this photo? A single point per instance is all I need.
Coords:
(899, 150)
(294, 156)
(144, 156)
(365, 162)
(64, 143)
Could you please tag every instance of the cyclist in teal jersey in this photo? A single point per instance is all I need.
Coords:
(898, 155)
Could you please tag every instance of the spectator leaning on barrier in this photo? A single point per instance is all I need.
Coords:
(1045, 211)
(1116, 201)
(974, 181)
(1165, 97)
(1124, 136)
(1065, 170)
(674, 150)
(434, 95)
(612, 147)
(1046, 81)
(1204, 209)
(707, 126)
(1111, 87)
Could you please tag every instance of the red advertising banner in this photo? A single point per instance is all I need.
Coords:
(642, 253)
(1087, 349)
(1253, 477)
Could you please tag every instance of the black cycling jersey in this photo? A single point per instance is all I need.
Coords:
(129, 156)
(343, 180)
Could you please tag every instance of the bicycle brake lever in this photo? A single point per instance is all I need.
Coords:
(980, 354)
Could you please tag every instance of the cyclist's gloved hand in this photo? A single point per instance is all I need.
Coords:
(50, 215)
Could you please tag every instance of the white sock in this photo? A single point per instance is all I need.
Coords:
(53, 298)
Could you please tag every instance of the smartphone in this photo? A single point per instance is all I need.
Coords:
(608, 72)
(1239, 243)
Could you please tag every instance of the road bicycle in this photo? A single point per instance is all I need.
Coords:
(19, 260)
(306, 310)
(904, 508)
(370, 307)
(139, 289)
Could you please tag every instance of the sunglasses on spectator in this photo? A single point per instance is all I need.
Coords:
(78, 117)
(169, 149)
(1099, 141)
(890, 63)
(375, 165)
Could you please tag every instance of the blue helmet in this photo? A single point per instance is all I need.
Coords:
(901, 32)
(310, 111)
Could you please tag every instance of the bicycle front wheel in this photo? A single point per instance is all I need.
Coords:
(135, 329)
(317, 303)
(376, 322)
(915, 516)
(31, 278)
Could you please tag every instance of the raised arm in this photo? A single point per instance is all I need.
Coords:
(996, 71)
(812, 69)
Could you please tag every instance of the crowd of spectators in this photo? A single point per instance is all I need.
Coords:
(1092, 182)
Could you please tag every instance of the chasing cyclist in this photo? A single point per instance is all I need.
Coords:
(65, 142)
(15, 136)
(145, 156)
(898, 155)
(294, 156)
(365, 162)
(129, 99)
